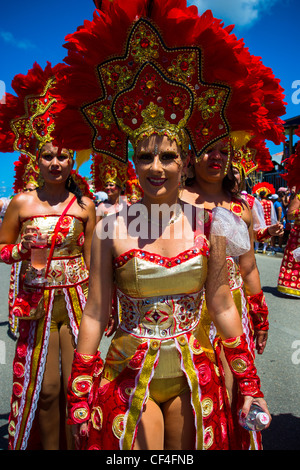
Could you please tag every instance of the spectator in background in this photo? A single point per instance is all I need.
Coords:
(4, 201)
(264, 190)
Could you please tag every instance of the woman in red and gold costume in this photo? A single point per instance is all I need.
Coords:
(214, 186)
(263, 191)
(133, 191)
(48, 314)
(247, 160)
(289, 275)
(157, 74)
(111, 178)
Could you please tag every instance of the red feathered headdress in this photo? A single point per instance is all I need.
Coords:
(244, 160)
(107, 170)
(263, 156)
(27, 120)
(133, 190)
(268, 188)
(292, 166)
(26, 172)
(82, 184)
(157, 66)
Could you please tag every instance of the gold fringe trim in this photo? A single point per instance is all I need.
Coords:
(139, 395)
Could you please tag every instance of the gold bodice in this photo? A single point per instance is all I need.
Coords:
(141, 274)
(67, 265)
(160, 299)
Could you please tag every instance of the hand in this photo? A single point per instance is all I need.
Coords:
(276, 230)
(260, 338)
(79, 431)
(112, 324)
(248, 400)
(29, 236)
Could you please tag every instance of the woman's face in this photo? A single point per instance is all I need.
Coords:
(55, 166)
(112, 190)
(237, 176)
(159, 166)
(212, 167)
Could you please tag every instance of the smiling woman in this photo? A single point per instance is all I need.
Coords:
(48, 301)
(141, 66)
(159, 166)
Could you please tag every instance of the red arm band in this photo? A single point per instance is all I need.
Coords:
(241, 363)
(84, 370)
(11, 254)
(258, 311)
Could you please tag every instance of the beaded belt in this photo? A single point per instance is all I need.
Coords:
(161, 317)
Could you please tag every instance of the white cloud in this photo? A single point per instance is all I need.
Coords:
(9, 38)
(238, 12)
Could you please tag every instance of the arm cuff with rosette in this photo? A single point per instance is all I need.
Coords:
(258, 311)
(241, 363)
(85, 369)
(262, 234)
(11, 254)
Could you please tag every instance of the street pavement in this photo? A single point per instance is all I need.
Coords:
(279, 366)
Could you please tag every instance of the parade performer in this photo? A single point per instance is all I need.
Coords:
(214, 186)
(48, 313)
(263, 191)
(111, 178)
(289, 279)
(163, 85)
(254, 157)
(27, 179)
(133, 191)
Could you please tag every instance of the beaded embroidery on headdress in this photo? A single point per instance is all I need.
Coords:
(265, 187)
(144, 67)
(155, 89)
(133, 190)
(27, 120)
(34, 121)
(108, 170)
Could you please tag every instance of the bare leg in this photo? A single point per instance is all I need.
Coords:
(179, 423)
(49, 397)
(67, 354)
(150, 435)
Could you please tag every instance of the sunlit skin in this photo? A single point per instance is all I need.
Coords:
(113, 192)
(208, 190)
(159, 164)
(50, 199)
(213, 163)
(55, 165)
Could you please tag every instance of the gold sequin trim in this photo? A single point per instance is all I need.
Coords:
(97, 418)
(239, 365)
(81, 414)
(232, 342)
(207, 407)
(76, 385)
(118, 426)
(208, 437)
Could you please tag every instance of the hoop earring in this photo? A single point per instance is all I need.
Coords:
(228, 159)
(69, 182)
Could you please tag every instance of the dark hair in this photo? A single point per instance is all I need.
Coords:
(74, 188)
(229, 183)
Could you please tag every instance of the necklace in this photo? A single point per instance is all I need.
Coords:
(165, 218)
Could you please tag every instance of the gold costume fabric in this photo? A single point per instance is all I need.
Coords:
(157, 351)
(64, 300)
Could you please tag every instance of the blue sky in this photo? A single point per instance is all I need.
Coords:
(35, 31)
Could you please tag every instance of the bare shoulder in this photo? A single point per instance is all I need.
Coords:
(89, 203)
